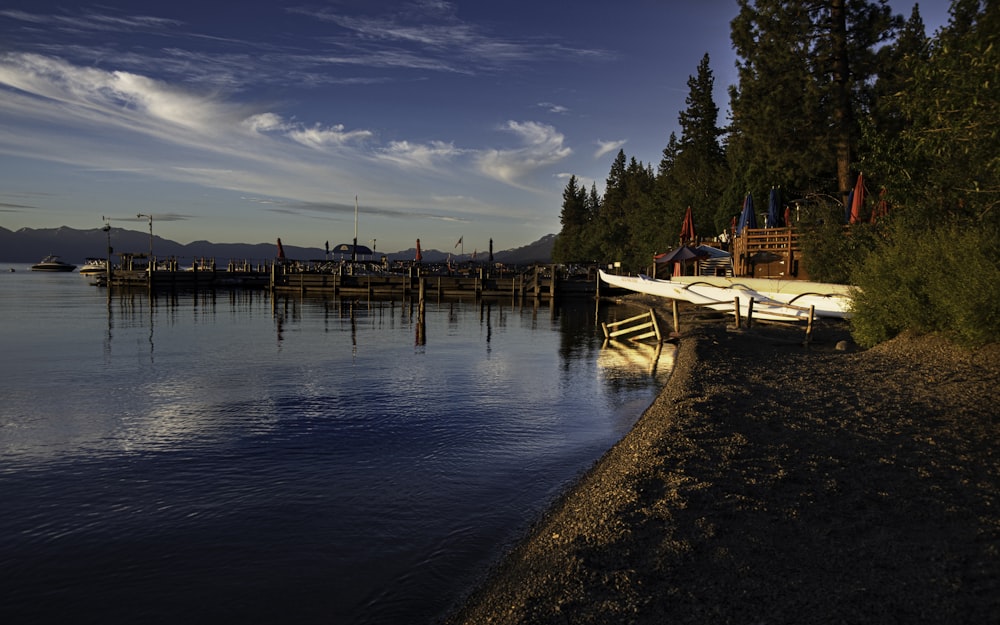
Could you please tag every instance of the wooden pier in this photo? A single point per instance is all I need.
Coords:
(542, 282)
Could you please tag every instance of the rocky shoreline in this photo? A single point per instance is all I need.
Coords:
(776, 483)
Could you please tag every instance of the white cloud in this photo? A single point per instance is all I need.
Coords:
(606, 147)
(124, 122)
(265, 122)
(118, 98)
(319, 137)
(553, 108)
(543, 146)
(418, 155)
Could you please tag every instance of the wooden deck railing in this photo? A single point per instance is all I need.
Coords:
(763, 245)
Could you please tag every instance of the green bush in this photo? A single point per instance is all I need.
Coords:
(944, 278)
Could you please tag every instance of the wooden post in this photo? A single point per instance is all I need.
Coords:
(809, 324)
(750, 313)
(675, 307)
(656, 326)
(736, 311)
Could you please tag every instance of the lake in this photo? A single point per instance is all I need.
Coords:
(232, 457)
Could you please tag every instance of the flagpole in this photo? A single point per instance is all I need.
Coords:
(354, 252)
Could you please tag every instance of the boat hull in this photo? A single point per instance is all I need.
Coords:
(52, 264)
(778, 302)
(52, 268)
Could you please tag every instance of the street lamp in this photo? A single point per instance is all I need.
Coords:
(107, 230)
(150, 217)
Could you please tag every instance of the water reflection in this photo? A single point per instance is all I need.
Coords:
(379, 449)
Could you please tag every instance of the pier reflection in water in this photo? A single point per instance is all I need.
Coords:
(232, 456)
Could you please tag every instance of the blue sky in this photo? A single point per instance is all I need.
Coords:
(248, 121)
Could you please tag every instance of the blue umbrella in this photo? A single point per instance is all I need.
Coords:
(747, 218)
(774, 209)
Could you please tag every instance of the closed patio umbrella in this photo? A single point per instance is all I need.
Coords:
(687, 227)
(858, 200)
(774, 209)
(747, 218)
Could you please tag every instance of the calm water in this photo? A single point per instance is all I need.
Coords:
(228, 458)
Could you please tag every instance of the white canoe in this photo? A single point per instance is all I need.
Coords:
(830, 300)
(772, 299)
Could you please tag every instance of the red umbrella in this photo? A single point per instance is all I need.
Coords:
(881, 209)
(687, 227)
(419, 257)
(858, 203)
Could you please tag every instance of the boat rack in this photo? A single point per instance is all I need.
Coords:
(639, 323)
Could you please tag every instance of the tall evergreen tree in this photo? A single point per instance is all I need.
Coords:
(570, 244)
(612, 218)
(697, 174)
(946, 162)
(897, 63)
(805, 68)
(936, 268)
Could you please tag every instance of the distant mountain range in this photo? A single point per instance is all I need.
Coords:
(29, 245)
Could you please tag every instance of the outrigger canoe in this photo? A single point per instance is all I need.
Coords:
(776, 300)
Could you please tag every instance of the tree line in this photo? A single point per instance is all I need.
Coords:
(829, 90)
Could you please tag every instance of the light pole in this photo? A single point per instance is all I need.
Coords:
(150, 218)
(149, 265)
(107, 230)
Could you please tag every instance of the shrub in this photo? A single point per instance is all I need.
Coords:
(945, 278)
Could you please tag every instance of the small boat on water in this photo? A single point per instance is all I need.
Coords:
(52, 263)
(94, 267)
(775, 300)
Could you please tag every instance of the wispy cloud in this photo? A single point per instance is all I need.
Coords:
(326, 209)
(124, 122)
(181, 107)
(424, 156)
(430, 35)
(332, 136)
(606, 147)
(542, 146)
(553, 108)
(91, 21)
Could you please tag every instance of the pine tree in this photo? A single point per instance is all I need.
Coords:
(936, 268)
(570, 244)
(805, 68)
(697, 175)
(612, 220)
(897, 63)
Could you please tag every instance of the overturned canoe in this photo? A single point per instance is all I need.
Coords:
(779, 300)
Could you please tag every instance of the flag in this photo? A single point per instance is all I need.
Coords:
(459, 240)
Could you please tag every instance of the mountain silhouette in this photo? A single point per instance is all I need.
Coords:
(29, 245)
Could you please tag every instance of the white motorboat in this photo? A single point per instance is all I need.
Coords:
(776, 300)
(52, 263)
(94, 267)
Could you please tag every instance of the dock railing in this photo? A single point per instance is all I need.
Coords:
(759, 245)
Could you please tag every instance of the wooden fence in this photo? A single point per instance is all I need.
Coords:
(768, 252)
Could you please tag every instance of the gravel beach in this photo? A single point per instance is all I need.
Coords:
(771, 482)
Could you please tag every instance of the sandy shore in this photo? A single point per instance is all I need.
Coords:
(773, 483)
